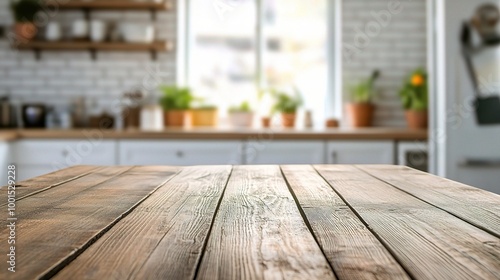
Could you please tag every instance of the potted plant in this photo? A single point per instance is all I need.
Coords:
(242, 115)
(361, 109)
(176, 102)
(414, 95)
(287, 105)
(205, 115)
(24, 12)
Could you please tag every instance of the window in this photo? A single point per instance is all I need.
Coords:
(238, 46)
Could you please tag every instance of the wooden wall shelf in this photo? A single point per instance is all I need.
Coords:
(115, 5)
(111, 46)
(158, 46)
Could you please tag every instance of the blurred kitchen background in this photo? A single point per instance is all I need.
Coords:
(362, 76)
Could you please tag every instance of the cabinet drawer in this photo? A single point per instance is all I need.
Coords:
(285, 152)
(360, 152)
(64, 153)
(180, 152)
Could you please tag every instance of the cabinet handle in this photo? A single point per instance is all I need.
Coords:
(334, 157)
(179, 154)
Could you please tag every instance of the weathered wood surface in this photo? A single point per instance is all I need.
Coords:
(478, 207)
(56, 225)
(163, 238)
(53, 179)
(252, 222)
(353, 251)
(258, 232)
(429, 242)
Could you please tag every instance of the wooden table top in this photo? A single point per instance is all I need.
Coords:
(251, 222)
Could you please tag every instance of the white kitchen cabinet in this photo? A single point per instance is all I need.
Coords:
(178, 152)
(37, 157)
(5, 159)
(360, 152)
(284, 152)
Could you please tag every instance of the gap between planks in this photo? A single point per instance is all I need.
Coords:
(482, 220)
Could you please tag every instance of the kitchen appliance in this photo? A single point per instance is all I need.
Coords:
(7, 113)
(34, 115)
(459, 148)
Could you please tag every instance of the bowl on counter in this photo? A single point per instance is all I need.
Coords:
(137, 32)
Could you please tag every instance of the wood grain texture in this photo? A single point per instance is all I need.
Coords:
(103, 46)
(114, 5)
(429, 242)
(353, 251)
(54, 226)
(478, 207)
(259, 233)
(51, 180)
(163, 237)
(219, 133)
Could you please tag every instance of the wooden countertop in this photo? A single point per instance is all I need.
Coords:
(224, 134)
(251, 222)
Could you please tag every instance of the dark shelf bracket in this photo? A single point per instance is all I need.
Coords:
(38, 54)
(93, 54)
(153, 14)
(154, 55)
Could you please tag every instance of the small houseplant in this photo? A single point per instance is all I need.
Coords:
(287, 104)
(24, 12)
(176, 102)
(414, 95)
(242, 115)
(205, 115)
(361, 109)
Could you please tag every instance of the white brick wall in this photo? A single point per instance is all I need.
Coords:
(63, 76)
(399, 48)
(60, 77)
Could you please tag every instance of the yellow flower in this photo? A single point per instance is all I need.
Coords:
(417, 80)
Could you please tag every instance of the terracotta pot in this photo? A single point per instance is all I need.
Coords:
(360, 114)
(178, 118)
(266, 122)
(204, 117)
(25, 31)
(417, 119)
(288, 119)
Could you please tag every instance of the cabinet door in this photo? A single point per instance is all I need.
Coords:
(360, 152)
(37, 156)
(285, 152)
(160, 152)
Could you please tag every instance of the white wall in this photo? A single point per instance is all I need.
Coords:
(398, 49)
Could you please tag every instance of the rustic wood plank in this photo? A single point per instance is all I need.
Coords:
(53, 179)
(478, 207)
(56, 225)
(259, 233)
(163, 237)
(429, 242)
(353, 251)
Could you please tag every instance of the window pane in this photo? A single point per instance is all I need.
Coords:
(223, 52)
(296, 49)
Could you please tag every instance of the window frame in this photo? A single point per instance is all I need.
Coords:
(333, 102)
